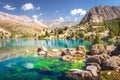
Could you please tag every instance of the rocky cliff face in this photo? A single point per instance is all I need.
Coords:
(21, 19)
(102, 13)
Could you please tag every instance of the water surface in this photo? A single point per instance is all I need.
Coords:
(36, 68)
(46, 43)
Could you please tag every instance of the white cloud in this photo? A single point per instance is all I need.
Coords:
(9, 7)
(76, 19)
(27, 6)
(35, 17)
(78, 11)
(61, 18)
(38, 8)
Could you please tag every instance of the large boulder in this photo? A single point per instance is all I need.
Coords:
(97, 49)
(98, 58)
(78, 74)
(113, 63)
(82, 74)
(98, 67)
(92, 69)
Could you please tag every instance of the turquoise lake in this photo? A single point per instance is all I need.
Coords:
(45, 43)
(38, 68)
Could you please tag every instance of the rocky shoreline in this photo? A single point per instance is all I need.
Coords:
(101, 61)
(98, 59)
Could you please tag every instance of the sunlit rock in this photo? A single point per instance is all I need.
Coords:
(97, 49)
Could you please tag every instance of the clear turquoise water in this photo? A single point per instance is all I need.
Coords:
(46, 43)
(36, 68)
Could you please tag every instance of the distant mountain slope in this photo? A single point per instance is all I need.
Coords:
(58, 23)
(102, 13)
(22, 20)
(13, 29)
(19, 26)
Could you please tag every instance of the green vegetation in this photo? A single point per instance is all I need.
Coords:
(97, 39)
(47, 63)
(80, 34)
(60, 31)
(86, 31)
(113, 76)
(114, 27)
(41, 37)
(65, 28)
(101, 29)
(47, 34)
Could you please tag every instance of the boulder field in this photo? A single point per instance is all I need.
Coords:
(98, 59)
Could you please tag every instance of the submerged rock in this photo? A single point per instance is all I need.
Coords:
(79, 54)
(73, 55)
(66, 58)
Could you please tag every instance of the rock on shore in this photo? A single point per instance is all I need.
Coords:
(100, 58)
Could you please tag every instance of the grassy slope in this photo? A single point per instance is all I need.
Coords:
(18, 29)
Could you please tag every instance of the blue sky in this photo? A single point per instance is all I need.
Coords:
(53, 9)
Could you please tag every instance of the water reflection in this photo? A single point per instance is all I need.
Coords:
(46, 43)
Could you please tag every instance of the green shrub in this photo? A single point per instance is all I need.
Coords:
(97, 39)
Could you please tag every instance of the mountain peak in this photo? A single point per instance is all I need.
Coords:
(102, 13)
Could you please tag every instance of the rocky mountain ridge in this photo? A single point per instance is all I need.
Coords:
(22, 20)
(101, 13)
